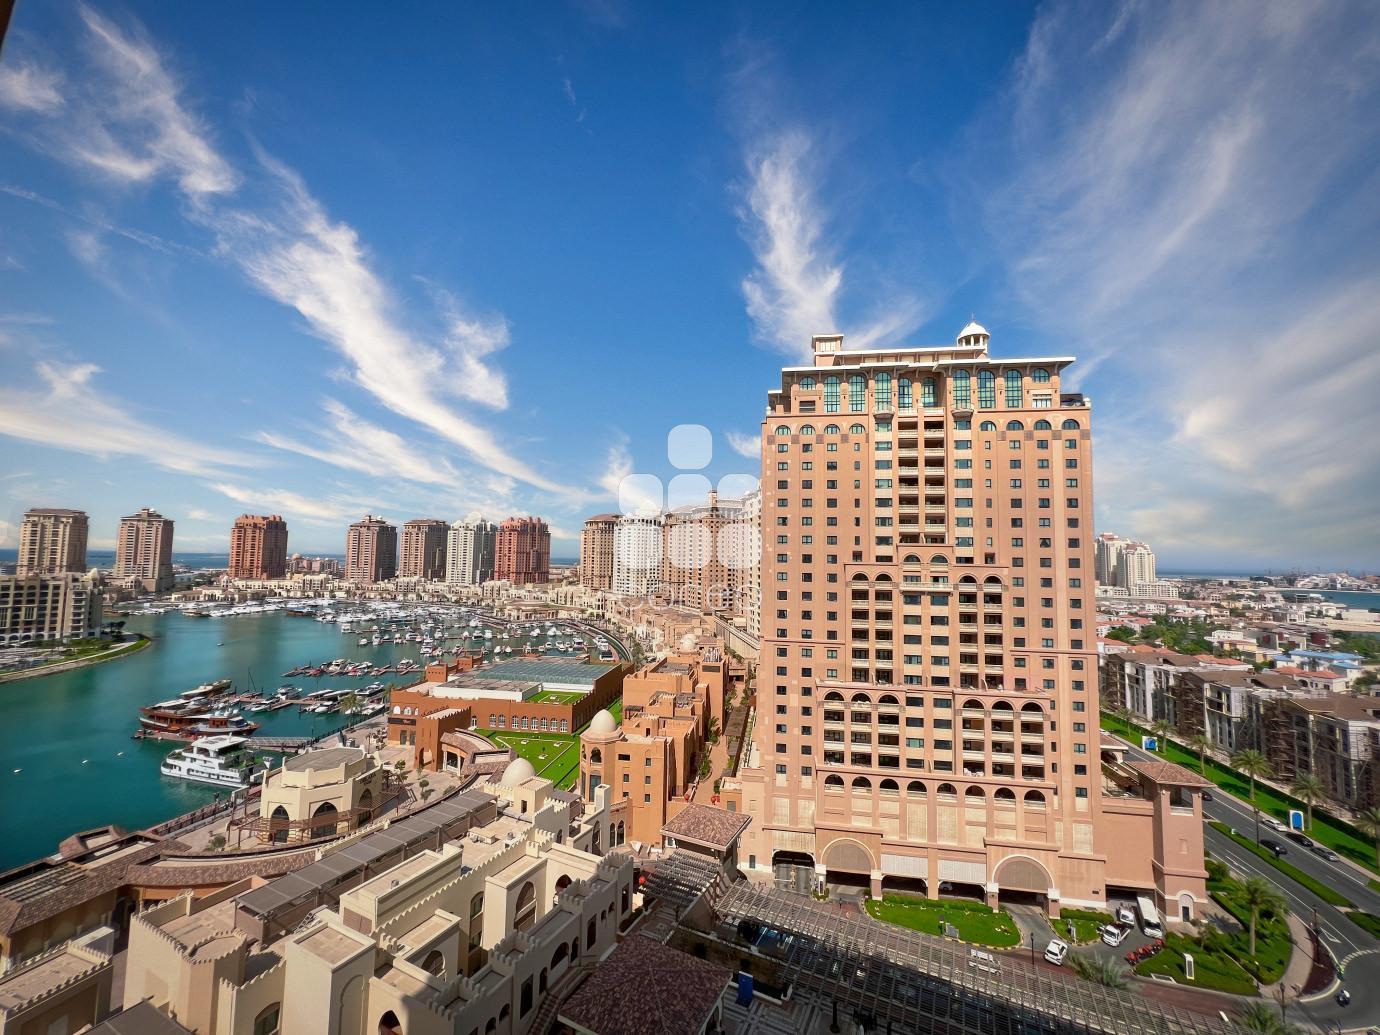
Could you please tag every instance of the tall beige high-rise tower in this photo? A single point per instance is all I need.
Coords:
(423, 549)
(143, 550)
(371, 550)
(52, 540)
(596, 551)
(258, 547)
(927, 701)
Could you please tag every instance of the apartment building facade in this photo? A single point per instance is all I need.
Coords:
(39, 608)
(258, 547)
(470, 552)
(143, 551)
(597, 551)
(927, 698)
(52, 541)
(638, 542)
(522, 551)
(371, 550)
(423, 549)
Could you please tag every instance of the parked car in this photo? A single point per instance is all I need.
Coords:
(1114, 934)
(1273, 823)
(1126, 915)
(1207, 796)
(1326, 853)
(1273, 846)
(1057, 951)
(1300, 838)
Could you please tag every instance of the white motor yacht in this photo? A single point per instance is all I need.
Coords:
(215, 760)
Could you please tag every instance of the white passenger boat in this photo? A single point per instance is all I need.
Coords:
(215, 760)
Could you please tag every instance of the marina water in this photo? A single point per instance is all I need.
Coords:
(69, 734)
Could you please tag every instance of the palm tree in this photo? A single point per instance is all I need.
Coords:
(1161, 730)
(1200, 743)
(1369, 824)
(1256, 766)
(349, 703)
(1308, 789)
(1261, 1017)
(1260, 897)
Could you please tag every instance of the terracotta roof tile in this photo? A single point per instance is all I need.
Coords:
(706, 825)
(646, 988)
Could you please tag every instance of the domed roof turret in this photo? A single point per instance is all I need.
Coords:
(973, 334)
(519, 771)
(603, 722)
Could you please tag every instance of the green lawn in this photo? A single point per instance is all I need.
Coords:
(975, 921)
(1086, 923)
(616, 710)
(557, 697)
(1368, 922)
(1327, 829)
(1214, 970)
(1273, 944)
(1323, 891)
(555, 756)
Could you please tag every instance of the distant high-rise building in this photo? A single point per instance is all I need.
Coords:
(929, 710)
(143, 550)
(52, 541)
(637, 551)
(423, 549)
(258, 547)
(699, 562)
(470, 549)
(596, 552)
(750, 583)
(522, 553)
(1136, 566)
(371, 550)
(1107, 549)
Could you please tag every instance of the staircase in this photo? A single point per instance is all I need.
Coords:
(558, 994)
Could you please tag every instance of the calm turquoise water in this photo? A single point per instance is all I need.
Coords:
(1352, 599)
(69, 734)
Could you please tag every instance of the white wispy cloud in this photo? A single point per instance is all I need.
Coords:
(1186, 208)
(134, 126)
(795, 290)
(747, 445)
(26, 86)
(65, 410)
(355, 444)
(328, 510)
(618, 465)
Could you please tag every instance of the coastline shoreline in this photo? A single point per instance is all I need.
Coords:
(124, 650)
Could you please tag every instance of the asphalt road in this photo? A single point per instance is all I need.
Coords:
(1356, 950)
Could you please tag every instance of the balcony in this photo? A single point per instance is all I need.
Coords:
(974, 713)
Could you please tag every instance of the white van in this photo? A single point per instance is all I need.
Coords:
(1114, 934)
(1149, 917)
(1057, 951)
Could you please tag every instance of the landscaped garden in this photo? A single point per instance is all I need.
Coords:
(554, 756)
(557, 697)
(1213, 970)
(1327, 829)
(1086, 924)
(974, 921)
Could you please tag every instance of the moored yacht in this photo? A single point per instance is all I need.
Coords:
(218, 760)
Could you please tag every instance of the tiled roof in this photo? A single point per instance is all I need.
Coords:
(141, 1019)
(706, 825)
(645, 988)
(1167, 772)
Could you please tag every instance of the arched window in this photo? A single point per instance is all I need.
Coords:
(266, 1023)
(807, 429)
(988, 425)
(888, 787)
(929, 392)
(1071, 425)
(861, 698)
(963, 389)
(831, 394)
(881, 393)
(905, 398)
(974, 792)
(861, 783)
(947, 788)
(831, 429)
(1034, 798)
(807, 382)
(888, 699)
(1043, 425)
(939, 558)
(833, 782)
(1014, 425)
(1040, 376)
(782, 429)
(910, 558)
(857, 391)
(1004, 794)
(916, 789)
(596, 756)
(833, 695)
(857, 429)
(1014, 395)
(435, 963)
(987, 389)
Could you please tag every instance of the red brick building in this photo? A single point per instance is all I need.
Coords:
(522, 554)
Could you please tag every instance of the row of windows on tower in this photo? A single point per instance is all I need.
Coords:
(857, 429)
(960, 382)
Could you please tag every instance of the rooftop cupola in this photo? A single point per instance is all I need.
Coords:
(974, 334)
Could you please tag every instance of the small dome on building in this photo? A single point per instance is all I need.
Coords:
(973, 330)
(519, 771)
(603, 722)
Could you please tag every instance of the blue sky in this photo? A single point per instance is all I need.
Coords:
(323, 260)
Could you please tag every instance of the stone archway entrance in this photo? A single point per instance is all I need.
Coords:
(1020, 879)
(848, 864)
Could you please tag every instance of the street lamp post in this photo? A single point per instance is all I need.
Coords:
(1032, 946)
